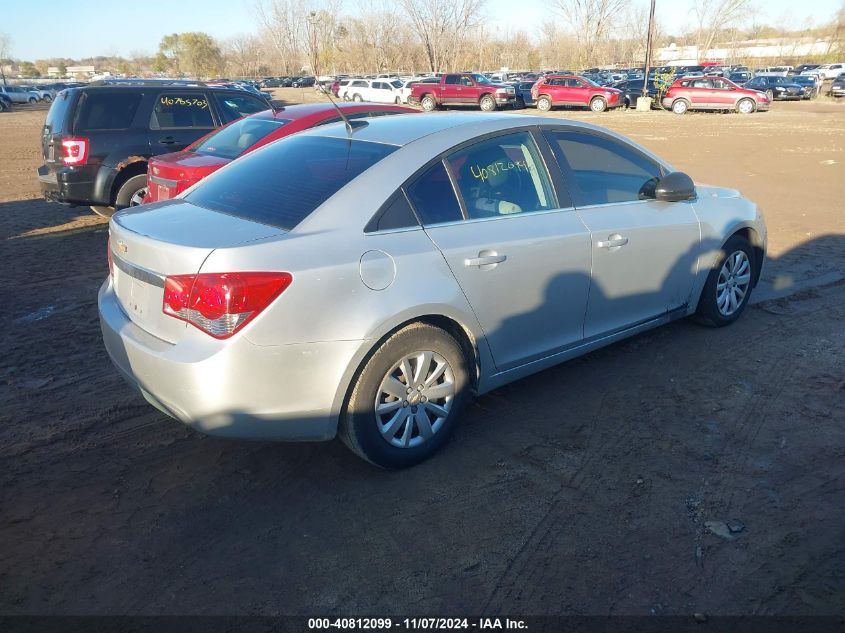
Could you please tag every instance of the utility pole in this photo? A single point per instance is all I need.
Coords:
(315, 57)
(648, 47)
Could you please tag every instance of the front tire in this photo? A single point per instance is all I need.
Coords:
(407, 399)
(33, 100)
(487, 103)
(48, 98)
(357, 97)
(598, 104)
(728, 287)
(745, 106)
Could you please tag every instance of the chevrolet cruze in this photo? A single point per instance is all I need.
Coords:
(365, 280)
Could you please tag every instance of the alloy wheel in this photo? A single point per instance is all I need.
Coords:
(138, 197)
(732, 285)
(414, 399)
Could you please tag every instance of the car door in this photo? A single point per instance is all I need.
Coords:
(644, 252)
(178, 119)
(701, 93)
(451, 91)
(723, 94)
(580, 91)
(520, 254)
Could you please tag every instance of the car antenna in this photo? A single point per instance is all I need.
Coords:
(351, 126)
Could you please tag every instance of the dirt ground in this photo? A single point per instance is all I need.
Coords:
(587, 489)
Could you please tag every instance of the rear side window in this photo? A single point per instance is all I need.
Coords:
(181, 110)
(396, 215)
(235, 139)
(58, 112)
(235, 106)
(282, 183)
(107, 110)
(601, 171)
(433, 196)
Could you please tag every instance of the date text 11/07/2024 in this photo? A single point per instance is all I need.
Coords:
(414, 624)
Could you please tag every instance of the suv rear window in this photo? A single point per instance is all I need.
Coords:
(56, 116)
(107, 110)
(282, 183)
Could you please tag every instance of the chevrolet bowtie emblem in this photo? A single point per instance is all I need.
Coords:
(121, 246)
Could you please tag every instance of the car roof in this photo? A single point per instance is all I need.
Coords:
(302, 110)
(402, 129)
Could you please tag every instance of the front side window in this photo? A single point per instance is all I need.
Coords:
(453, 80)
(284, 182)
(181, 110)
(501, 176)
(235, 106)
(601, 171)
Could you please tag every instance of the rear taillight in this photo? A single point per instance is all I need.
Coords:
(74, 151)
(220, 304)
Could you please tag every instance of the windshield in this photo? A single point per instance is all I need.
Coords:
(233, 140)
(591, 82)
(282, 183)
(396, 83)
(481, 79)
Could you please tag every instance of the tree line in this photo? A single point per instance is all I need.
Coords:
(293, 37)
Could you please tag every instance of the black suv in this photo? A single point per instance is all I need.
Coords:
(97, 138)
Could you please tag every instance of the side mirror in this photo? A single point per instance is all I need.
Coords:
(675, 187)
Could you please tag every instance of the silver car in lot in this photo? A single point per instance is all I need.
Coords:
(367, 281)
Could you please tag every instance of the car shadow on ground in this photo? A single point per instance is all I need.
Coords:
(32, 218)
(581, 489)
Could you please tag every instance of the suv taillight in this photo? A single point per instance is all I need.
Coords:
(74, 151)
(220, 304)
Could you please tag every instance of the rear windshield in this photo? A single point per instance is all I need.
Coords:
(107, 110)
(58, 111)
(282, 183)
(235, 139)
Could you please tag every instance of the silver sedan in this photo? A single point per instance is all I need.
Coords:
(366, 280)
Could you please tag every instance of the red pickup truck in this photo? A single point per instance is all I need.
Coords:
(462, 89)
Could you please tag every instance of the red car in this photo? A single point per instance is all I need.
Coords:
(572, 90)
(712, 93)
(170, 174)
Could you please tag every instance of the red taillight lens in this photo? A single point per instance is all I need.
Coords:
(74, 151)
(220, 304)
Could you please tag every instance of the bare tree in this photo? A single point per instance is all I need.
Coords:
(443, 27)
(592, 21)
(5, 51)
(714, 16)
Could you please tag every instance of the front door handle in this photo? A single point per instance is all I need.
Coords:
(486, 259)
(614, 241)
(168, 140)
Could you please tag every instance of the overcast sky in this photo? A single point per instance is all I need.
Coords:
(84, 28)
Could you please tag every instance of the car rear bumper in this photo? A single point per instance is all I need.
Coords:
(230, 388)
(69, 185)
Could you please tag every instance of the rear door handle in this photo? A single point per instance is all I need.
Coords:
(168, 140)
(613, 241)
(486, 259)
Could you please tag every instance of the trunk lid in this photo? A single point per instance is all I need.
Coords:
(171, 174)
(148, 243)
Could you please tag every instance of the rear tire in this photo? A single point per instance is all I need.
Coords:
(131, 192)
(48, 98)
(409, 436)
(33, 100)
(428, 103)
(680, 106)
